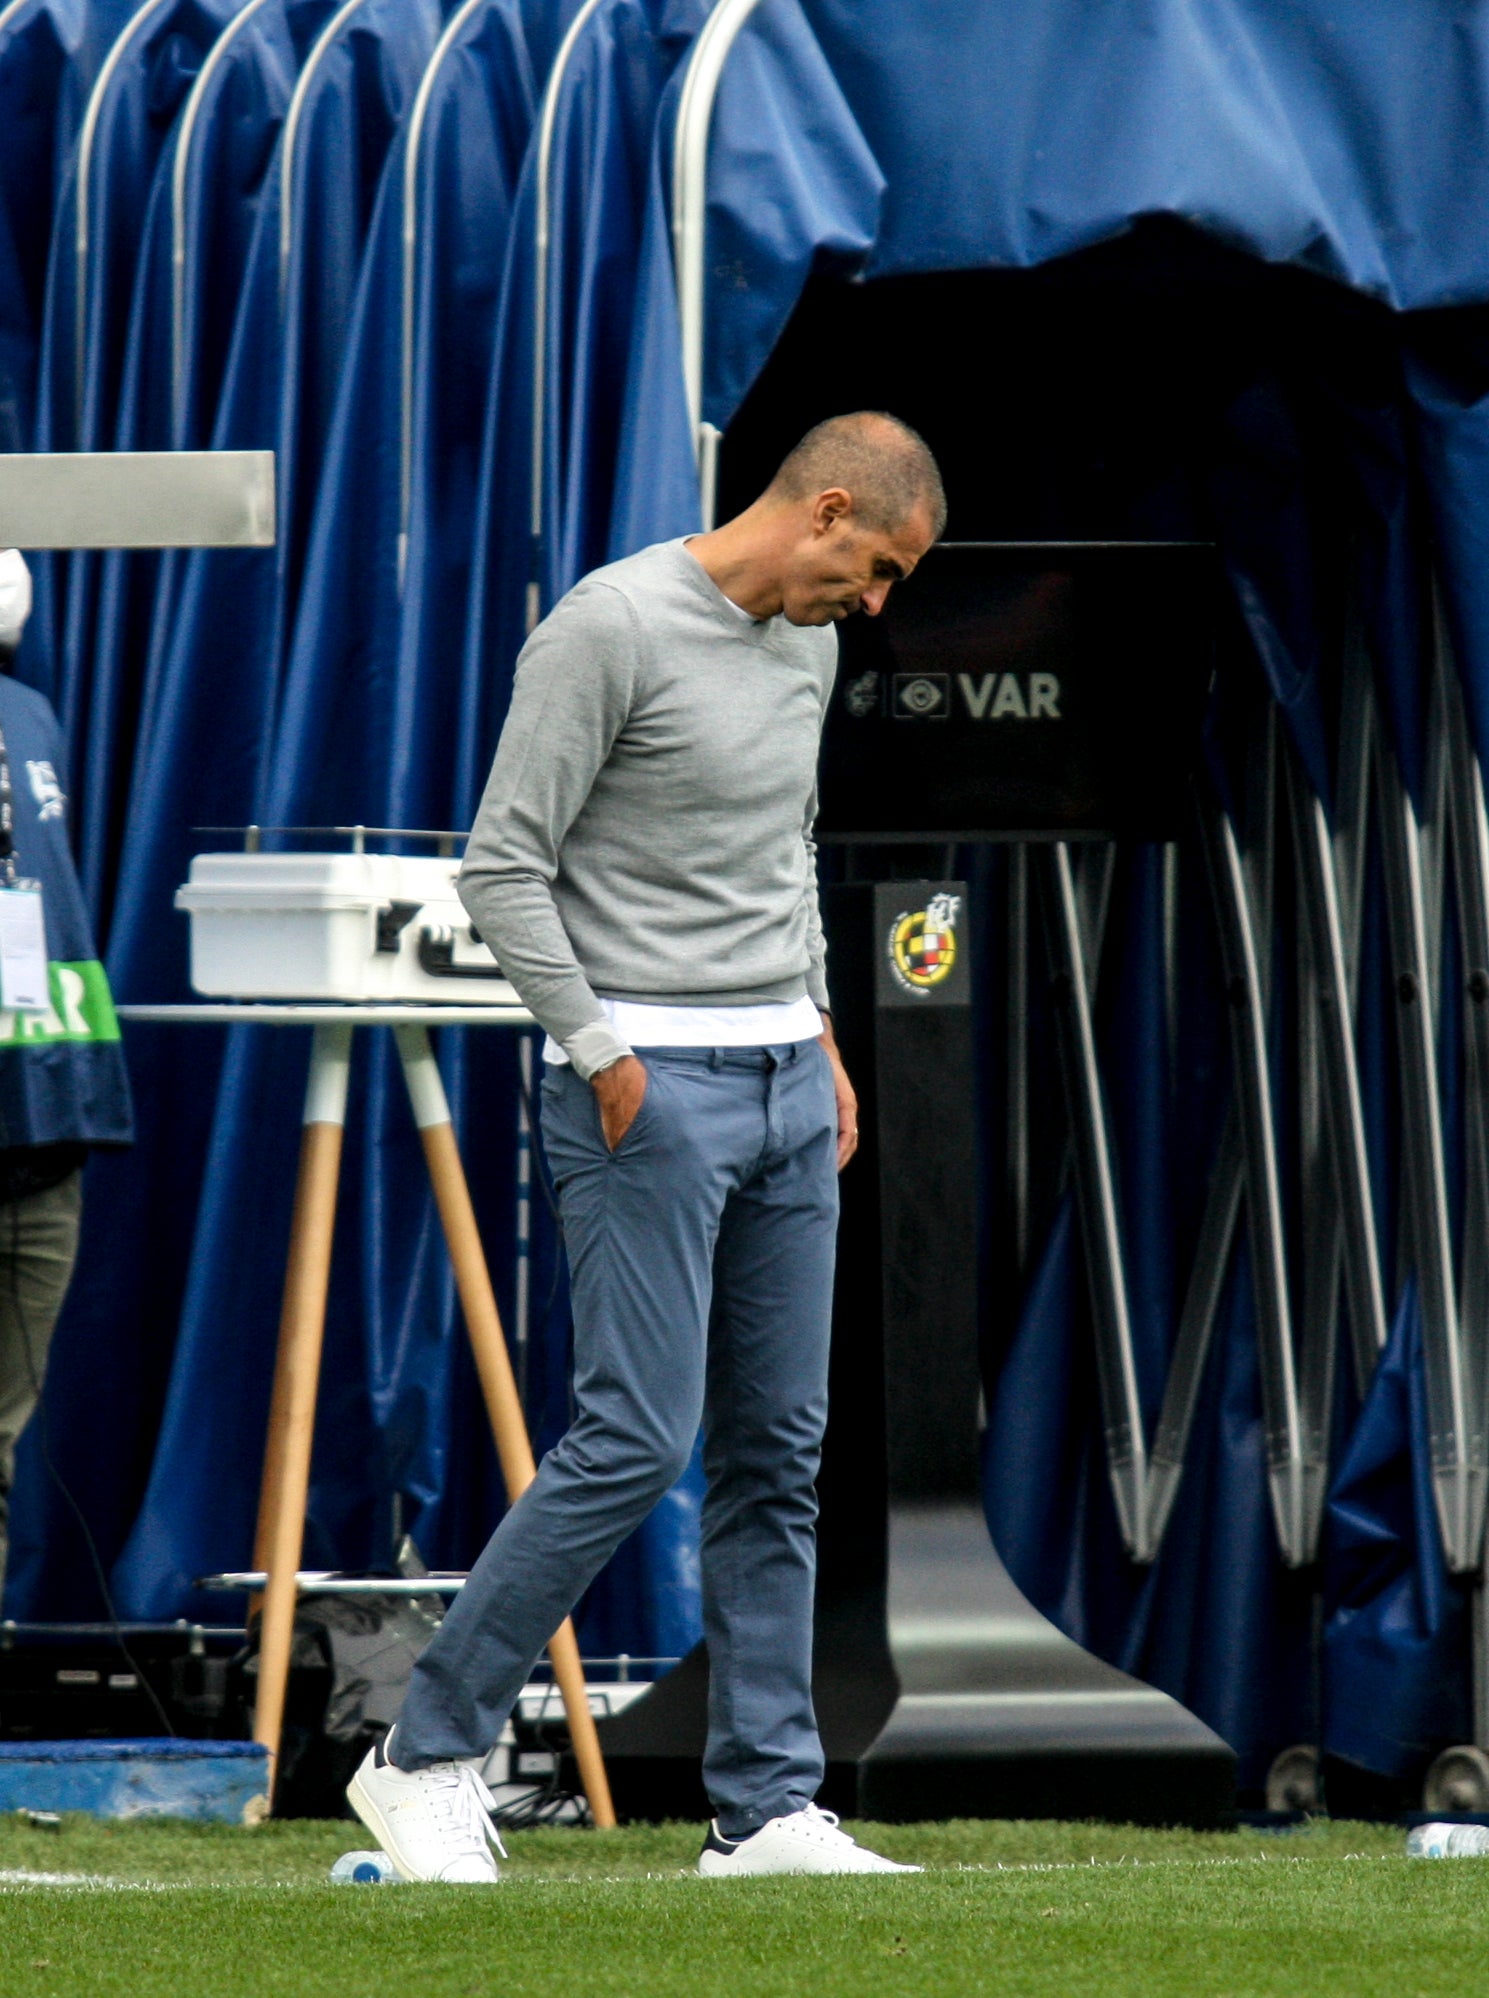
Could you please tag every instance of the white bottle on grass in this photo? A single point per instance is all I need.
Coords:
(1447, 1842)
(372, 1869)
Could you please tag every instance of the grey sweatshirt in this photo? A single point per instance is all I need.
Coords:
(646, 832)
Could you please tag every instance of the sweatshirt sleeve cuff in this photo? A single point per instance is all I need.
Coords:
(817, 989)
(594, 1047)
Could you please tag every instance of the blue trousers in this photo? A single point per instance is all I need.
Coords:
(701, 1260)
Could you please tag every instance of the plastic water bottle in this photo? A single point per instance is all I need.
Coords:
(1447, 1842)
(373, 1869)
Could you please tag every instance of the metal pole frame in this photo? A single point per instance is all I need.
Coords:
(185, 134)
(1295, 1476)
(1469, 829)
(1321, 1200)
(1246, 1164)
(1338, 1205)
(322, 45)
(1016, 1054)
(1456, 1427)
(1346, 1235)
(1252, 885)
(82, 216)
(690, 218)
(1096, 1196)
(542, 233)
(1191, 1348)
(418, 113)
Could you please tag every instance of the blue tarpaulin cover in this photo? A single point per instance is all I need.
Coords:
(212, 1781)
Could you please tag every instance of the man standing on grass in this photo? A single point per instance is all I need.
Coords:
(643, 868)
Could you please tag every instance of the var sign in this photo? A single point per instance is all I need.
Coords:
(1019, 696)
(981, 696)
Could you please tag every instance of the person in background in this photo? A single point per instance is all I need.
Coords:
(63, 1086)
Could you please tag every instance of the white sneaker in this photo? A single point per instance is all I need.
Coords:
(434, 1824)
(808, 1841)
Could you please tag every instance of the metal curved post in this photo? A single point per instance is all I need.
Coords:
(1340, 1216)
(1016, 1055)
(418, 113)
(9, 11)
(1196, 1328)
(1457, 1430)
(186, 133)
(1171, 960)
(1093, 870)
(1352, 805)
(1247, 1163)
(1292, 1472)
(1470, 841)
(1349, 1177)
(1433, 828)
(324, 42)
(1322, 1217)
(690, 216)
(543, 208)
(1096, 1198)
(1259, 847)
(82, 221)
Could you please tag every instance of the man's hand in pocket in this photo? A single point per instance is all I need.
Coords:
(620, 1089)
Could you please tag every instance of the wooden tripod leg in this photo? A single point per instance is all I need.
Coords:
(302, 1324)
(494, 1367)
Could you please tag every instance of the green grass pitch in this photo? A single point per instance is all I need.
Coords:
(171, 1910)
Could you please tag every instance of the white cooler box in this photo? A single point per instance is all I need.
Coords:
(349, 926)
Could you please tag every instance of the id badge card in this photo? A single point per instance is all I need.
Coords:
(24, 986)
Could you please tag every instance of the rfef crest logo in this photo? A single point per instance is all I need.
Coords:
(862, 695)
(922, 944)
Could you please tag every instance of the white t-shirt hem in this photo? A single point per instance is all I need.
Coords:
(772, 1026)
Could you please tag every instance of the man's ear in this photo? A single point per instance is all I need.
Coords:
(829, 508)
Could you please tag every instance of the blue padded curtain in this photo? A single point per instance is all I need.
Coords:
(298, 295)
(116, 1329)
(216, 684)
(45, 74)
(366, 732)
(185, 748)
(113, 119)
(187, 752)
(105, 212)
(111, 598)
(603, 116)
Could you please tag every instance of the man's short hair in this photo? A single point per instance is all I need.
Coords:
(885, 465)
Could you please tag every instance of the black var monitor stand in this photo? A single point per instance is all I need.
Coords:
(940, 1690)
